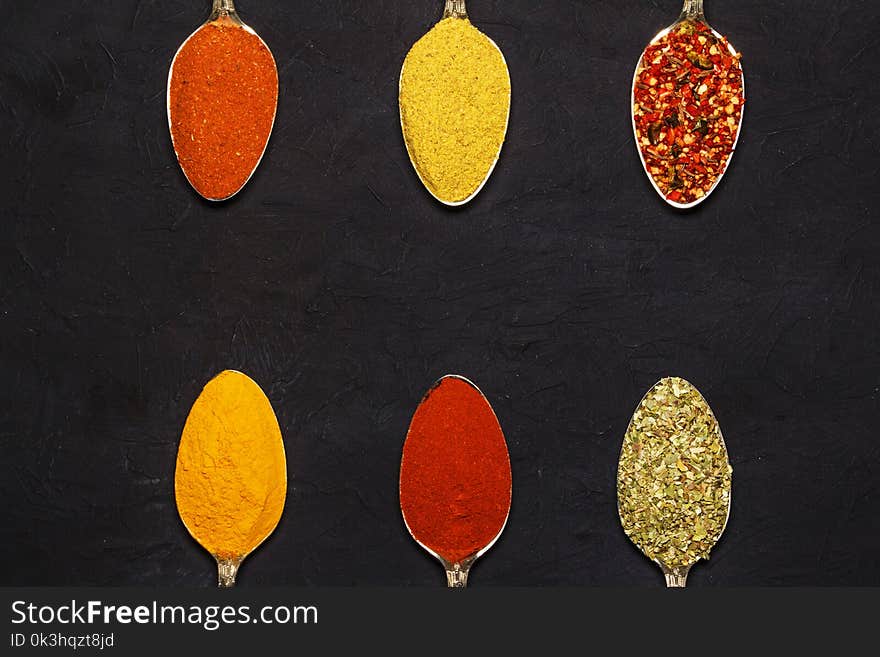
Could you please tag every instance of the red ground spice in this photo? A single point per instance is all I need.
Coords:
(222, 95)
(455, 479)
(688, 100)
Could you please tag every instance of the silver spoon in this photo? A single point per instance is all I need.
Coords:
(691, 12)
(230, 405)
(657, 426)
(453, 9)
(456, 570)
(222, 12)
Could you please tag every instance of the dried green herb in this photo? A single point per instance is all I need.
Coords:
(673, 479)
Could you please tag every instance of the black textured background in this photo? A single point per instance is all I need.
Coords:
(565, 290)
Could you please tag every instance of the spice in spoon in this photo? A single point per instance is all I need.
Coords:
(673, 479)
(454, 106)
(231, 478)
(455, 478)
(222, 96)
(687, 103)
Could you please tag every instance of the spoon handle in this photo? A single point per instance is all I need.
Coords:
(457, 576)
(692, 11)
(224, 6)
(457, 573)
(227, 569)
(223, 9)
(676, 577)
(454, 9)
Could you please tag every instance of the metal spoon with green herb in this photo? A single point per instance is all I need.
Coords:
(674, 478)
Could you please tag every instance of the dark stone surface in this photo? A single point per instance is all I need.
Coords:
(565, 290)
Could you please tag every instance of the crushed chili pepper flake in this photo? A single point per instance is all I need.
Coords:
(688, 95)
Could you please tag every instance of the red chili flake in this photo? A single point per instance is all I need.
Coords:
(690, 79)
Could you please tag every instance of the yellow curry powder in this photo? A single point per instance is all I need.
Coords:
(231, 477)
(454, 105)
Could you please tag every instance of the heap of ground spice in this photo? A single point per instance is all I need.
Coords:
(222, 95)
(687, 104)
(454, 104)
(455, 479)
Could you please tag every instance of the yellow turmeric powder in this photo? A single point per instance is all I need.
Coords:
(454, 106)
(231, 476)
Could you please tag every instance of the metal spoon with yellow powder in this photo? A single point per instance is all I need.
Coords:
(231, 476)
(454, 106)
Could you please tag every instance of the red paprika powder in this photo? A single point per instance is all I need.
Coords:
(222, 96)
(455, 479)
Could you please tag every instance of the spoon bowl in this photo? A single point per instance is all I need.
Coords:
(673, 472)
(224, 16)
(453, 9)
(457, 515)
(230, 481)
(692, 12)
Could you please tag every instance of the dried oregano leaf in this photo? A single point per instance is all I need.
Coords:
(673, 479)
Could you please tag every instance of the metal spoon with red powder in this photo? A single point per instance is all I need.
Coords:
(455, 477)
(222, 97)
